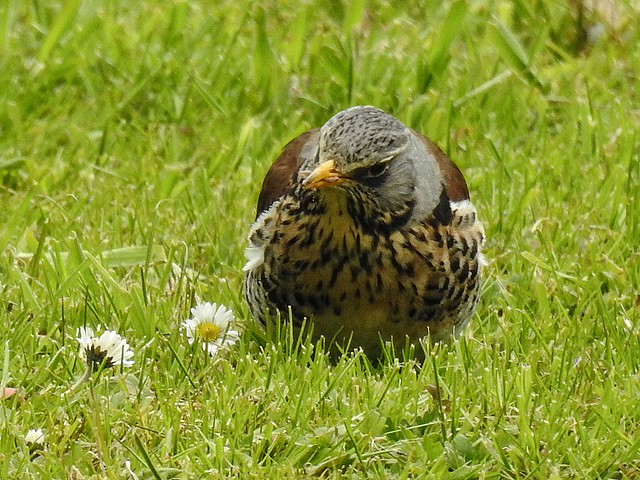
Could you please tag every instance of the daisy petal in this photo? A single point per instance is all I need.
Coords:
(218, 333)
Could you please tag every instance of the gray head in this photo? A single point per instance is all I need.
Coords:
(378, 165)
(362, 135)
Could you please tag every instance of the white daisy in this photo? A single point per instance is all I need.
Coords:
(211, 324)
(34, 437)
(109, 348)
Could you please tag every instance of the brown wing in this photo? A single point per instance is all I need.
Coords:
(454, 183)
(283, 174)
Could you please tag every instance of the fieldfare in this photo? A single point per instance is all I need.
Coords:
(365, 228)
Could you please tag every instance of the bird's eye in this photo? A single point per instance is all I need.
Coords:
(377, 169)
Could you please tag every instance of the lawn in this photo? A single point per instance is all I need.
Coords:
(133, 140)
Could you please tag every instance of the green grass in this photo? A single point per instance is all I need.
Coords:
(133, 140)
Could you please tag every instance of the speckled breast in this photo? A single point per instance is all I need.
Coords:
(360, 287)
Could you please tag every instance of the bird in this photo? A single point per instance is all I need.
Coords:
(365, 232)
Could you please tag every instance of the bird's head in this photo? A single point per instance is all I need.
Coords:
(377, 165)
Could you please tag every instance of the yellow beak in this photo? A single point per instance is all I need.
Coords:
(323, 175)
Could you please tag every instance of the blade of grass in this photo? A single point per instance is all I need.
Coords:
(60, 25)
(435, 64)
(512, 51)
(19, 215)
(483, 87)
(133, 256)
(147, 458)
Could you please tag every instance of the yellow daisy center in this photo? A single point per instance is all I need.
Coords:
(208, 331)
